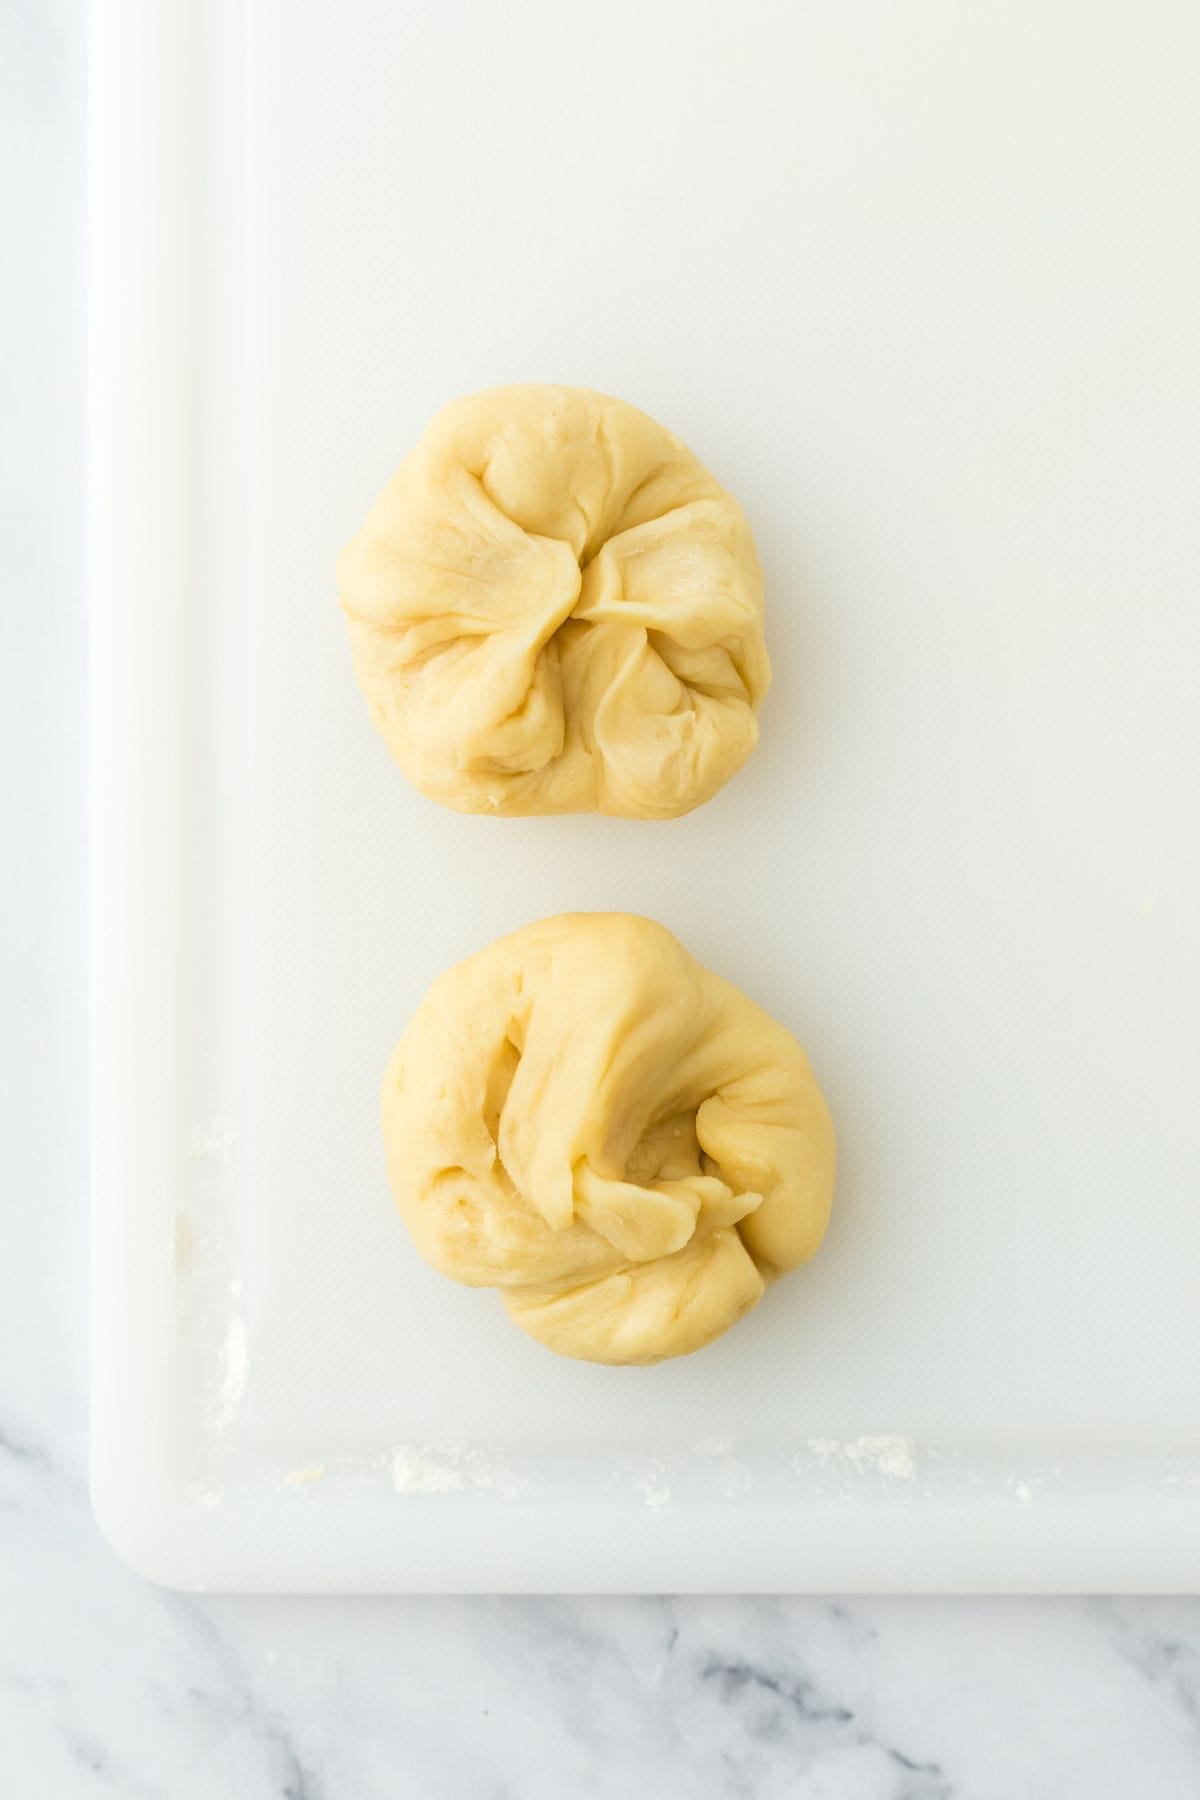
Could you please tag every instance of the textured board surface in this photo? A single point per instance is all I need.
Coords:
(923, 296)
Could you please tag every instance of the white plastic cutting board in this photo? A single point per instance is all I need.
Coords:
(921, 284)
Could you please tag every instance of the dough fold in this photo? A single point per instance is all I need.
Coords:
(620, 1141)
(553, 607)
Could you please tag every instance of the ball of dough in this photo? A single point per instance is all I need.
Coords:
(621, 1142)
(554, 608)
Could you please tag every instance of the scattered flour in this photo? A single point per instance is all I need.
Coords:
(892, 1457)
(417, 1472)
(654, 1488)
(732, 1476)
(695, 1471)
(235, 1365)
(452, 1467)
(213, 1143)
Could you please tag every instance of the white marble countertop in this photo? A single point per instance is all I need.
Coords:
(110, 1686)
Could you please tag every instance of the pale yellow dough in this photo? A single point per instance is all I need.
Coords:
(621, 1142)
(554, 608)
